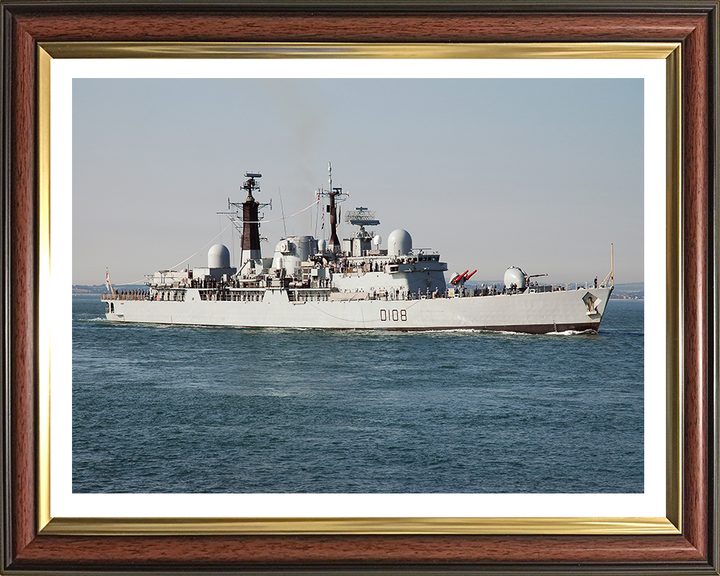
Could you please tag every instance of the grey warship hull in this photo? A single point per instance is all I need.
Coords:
(534, 313)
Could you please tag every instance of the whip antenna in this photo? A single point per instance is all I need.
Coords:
(282, 212)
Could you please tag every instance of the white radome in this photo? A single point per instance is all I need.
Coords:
(219, 256)
(399, 242)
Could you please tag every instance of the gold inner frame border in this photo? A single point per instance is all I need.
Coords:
(671, 524)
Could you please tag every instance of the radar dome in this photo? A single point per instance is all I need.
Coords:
(514, 275)
(377, 240)
(322, 245)
(218, 257)
(399, 243)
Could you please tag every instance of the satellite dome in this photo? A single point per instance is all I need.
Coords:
(219, 256)
(322, 245)
(399, 243)
(514, 275)
(377, 240)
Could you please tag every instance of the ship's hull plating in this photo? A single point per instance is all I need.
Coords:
(543, 312)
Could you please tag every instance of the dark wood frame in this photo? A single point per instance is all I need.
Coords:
(694, 24)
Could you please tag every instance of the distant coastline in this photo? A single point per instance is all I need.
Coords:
(80, 289)
(629, 291)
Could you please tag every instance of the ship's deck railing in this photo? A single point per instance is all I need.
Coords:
(127, 295)
(317, 293)
(491, 290)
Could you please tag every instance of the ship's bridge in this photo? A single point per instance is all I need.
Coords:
(409, 274)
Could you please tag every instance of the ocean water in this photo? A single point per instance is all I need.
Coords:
(171, 409)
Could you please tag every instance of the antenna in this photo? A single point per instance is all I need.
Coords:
(282, 212)
(361, 217)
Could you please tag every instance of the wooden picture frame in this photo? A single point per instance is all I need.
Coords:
(28, 547)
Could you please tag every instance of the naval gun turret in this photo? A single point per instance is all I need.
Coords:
(516, 280)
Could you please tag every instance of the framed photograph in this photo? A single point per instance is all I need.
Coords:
(87, 86)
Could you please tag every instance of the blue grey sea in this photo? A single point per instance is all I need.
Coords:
(171, 409)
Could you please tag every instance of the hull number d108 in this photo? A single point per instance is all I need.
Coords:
(393, 315)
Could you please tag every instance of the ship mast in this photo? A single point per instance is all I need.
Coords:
(249, 226)
(250, 243)
(332, 193)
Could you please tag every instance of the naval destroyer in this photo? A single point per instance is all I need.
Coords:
(326, 284)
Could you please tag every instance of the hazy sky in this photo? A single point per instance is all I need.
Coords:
(540, 173)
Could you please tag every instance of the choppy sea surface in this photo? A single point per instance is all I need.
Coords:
(172, 409)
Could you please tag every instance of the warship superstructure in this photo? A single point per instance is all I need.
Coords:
(326, 284)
